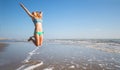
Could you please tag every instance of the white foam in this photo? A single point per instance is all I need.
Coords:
(101, 65)
(30, 55)
(72, 66)
(33, 66)
(27, 60)
(21, 67)
(84, 67)
(50, 68)
(117, 66)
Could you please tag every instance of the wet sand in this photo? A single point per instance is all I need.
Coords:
(3, 46)
(58, 56)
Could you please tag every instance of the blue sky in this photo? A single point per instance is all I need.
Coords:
(62, 19)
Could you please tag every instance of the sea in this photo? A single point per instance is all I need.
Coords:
(61, 54)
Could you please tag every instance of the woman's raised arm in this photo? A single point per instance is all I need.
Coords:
(26, 10)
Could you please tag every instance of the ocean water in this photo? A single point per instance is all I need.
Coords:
(61, 54)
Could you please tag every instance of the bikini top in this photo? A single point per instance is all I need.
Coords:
(37, 21)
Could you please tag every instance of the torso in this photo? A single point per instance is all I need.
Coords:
(38, 24)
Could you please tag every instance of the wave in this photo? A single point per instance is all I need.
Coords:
(108, 45)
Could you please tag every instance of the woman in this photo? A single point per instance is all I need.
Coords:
(37, 20)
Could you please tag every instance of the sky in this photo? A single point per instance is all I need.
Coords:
(62, 19)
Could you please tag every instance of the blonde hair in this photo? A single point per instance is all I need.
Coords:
(37, 14)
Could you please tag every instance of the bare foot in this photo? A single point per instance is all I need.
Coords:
(30, 39)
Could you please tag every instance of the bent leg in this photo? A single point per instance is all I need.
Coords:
(36, 40)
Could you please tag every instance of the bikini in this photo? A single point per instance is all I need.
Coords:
(38, 21)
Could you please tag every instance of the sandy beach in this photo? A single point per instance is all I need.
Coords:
(61, 55)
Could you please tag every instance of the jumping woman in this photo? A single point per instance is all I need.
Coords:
(37, 20)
